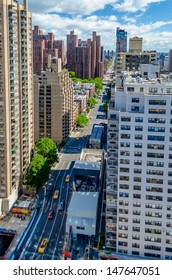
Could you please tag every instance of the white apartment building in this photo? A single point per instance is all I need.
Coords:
(139, 169)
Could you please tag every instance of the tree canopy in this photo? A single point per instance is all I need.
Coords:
(38, 172)
(97, 81)
(39, 168)
(91, 102)
(47, 148)
(82, 120)
(105, 106)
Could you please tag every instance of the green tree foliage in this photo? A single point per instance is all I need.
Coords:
(91, 102)
(82, 120)
(38, 172)
(71, 74)
(105, 106)
(47, 148)
(88, 109)
(41, 163)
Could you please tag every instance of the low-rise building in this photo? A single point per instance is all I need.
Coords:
(82, 213)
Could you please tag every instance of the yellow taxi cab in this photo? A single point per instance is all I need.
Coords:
(56, 194)
(43, 245)
(67, 179)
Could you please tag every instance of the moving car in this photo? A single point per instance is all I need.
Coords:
(62, 204)
(85, 135)
(50, 215)
(67, 179)
(77, 138)
(43, 245)
(56, 194)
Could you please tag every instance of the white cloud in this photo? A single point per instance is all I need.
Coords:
(84, 7)
(106, 27)
(129, 19)
(134, 5)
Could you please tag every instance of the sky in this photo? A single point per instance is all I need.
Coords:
(149, 19)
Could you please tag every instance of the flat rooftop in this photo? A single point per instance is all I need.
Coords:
(92, 155)
(83, 204)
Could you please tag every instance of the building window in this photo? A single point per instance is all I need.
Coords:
(125, 127)
(137, 188)
(138, 128)
(135, 108)
(157, 111)
(157, 102)
(137, 145)
(156, 120)
(135, 100)
(156, 129)
(125, 119)
(138, 119)
(130, 89)
(125, 136)
(138, 136)
(156, 138)
(153, 90)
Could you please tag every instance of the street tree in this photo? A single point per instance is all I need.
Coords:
(38, 172)
(47, 148)
(82, 120)
(91, 102)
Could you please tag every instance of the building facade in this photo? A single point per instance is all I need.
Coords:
(53, 105)
(43, 46)
(121, 40)
(131, 61)
(139, 169)
(16, 98)
(135, 45)
(85, 58)
(72, 43)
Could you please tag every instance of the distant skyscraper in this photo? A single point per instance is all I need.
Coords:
(121, 40)
(43, 45)
(72, 43)
(16, 98)
(170, 61)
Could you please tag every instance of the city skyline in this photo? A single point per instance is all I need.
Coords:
(150, 19)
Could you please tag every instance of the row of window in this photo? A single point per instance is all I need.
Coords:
(140, 119)
(151, 90)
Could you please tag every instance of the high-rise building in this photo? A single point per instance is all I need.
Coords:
(43, 46)
(16, 98)
(59, 44)
(170, 61)
(135, 45)
(121, 40)
(53, 96)
(83, 62)
(139, 168)
(72, 43)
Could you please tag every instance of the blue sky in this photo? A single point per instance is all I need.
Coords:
(149, 19)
